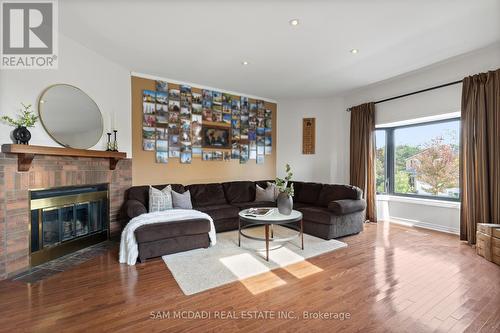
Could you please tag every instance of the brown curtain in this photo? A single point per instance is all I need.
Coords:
(362, 154)
(480, 153)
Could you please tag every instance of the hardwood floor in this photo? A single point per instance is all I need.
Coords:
(389, 278)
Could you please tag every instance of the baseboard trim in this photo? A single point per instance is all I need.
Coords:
(424, 225)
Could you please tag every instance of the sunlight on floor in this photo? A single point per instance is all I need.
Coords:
(254, 275)
(282, 256)
(262, 282)
(244, 265)
(302, 269)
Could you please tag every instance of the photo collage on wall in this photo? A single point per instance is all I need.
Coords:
(180, 121)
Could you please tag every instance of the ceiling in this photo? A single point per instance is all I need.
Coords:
(206, 41)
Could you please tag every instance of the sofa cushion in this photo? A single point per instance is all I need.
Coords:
(157, 231)
(207, 194)
(141, 193)
(317, 214)
(218, 212)
(297, 205)
(307, 192)
(134, 208)
(343, 207)
(239, 191)
(331, 193)
(245, 205)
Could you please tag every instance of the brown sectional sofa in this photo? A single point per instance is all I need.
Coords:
(329, 211)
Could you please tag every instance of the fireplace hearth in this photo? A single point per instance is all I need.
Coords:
(67, 219)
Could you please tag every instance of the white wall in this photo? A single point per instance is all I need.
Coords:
(330, 140)
(443, 72)
(444, 216)
(424, 213)
(107, 83)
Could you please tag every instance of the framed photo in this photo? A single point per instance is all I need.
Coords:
(161, 86)
(215, 137)
(206, 155)
(149, 121)
(162, 97)
(148, 145)
(186, 155)
(206, 94)
(162, 157)
(174, 106)
(149, 133)
(148, 96)
(174, 94)
(174, 152)
(161, 133)
(217, 97)
(235, 151)
(161, 145)
(217, 156)
(197, 98)
(185, 90)
(244, 154)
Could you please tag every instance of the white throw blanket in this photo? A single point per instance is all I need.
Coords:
(128, 245)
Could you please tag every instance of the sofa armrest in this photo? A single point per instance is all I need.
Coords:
(347, 206)
(134, 208)
(359, 192)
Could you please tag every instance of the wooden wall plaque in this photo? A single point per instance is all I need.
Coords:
(308, 136)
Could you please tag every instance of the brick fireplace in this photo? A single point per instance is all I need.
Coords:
(49, 172)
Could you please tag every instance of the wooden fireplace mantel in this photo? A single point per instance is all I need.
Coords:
(26, 153)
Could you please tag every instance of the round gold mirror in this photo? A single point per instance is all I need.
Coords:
(70, 116)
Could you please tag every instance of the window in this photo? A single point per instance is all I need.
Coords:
(380, 160)
(419, 160)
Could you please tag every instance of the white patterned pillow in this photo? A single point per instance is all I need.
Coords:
(160, 200)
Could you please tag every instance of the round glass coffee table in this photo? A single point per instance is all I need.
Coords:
(248, 220)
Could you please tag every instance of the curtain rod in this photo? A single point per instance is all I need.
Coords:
(415, 92)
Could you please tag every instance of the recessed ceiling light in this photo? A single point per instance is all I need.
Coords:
(294, 22)
(42, 101)
(354, 51)
(244, 63)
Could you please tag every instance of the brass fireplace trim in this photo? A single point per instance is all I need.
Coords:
(62, 249)
(68, 199)
(53, 252)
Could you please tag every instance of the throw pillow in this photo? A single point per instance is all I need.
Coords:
(160, 200)
(266, 194)
(275, 189)
(182, 200)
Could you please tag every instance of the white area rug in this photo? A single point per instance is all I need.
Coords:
(202, 269)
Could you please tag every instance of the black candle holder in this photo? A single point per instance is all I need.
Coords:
(115, 143)
(108, 146)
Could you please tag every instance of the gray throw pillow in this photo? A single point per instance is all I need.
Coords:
(266, 194)
(160, 200)
(275, 189)
(182, 200)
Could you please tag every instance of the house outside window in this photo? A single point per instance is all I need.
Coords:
(420, 160)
